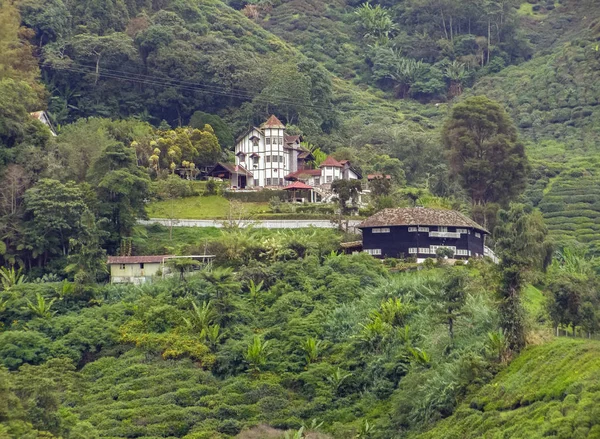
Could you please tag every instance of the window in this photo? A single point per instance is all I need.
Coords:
(412, 229)
(477, 235)
(462, 253)
(424, 251)
(423, 229)
(122, 266)
(142, 266)
(374, 251)
(434, 248)
(281, 140)
(267, 140)
(412, 251)
(268, 159)
(255, 160)
(242, 157)
(274, 159)
(329, 178)
(442, 229)
(281, 159)
(317, 181)
(382, 230)
(268, 183)
(463, 231)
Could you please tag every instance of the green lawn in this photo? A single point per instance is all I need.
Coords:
(200, 207)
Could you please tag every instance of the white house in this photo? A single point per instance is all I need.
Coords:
(135, 269)
(268, 154)
(43, 117)
(329, 171)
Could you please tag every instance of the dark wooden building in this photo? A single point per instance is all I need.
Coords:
(419, 232)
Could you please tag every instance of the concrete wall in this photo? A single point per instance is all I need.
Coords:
(133, 273)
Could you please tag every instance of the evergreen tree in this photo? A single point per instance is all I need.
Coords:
(486, 155)
(521, 246)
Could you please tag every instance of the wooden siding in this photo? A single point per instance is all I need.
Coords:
(399, 240)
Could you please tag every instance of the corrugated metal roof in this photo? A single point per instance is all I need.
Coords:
(420, 216)
(136, 259)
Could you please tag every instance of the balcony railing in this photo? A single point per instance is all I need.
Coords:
(444, 235)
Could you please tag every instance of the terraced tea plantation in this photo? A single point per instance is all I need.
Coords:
(571, 207)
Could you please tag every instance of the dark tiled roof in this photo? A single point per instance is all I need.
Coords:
(292, 139)
(273, 122)
(245, 133)
(420, 216)
(136, 259)
(304, 155)
(231, 168)
(330, 161)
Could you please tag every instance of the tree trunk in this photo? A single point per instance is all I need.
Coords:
(489, 48)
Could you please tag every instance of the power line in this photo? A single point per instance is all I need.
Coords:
(183, 85)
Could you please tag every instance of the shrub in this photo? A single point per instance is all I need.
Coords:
(20, 347)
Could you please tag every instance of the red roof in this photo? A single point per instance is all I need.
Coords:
(136, 259)
(297, 186)
(273, 122)
(330, 161)
(303, 173)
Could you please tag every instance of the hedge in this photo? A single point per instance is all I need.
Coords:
(263, 196)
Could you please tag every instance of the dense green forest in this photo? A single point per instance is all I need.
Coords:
(486, 107)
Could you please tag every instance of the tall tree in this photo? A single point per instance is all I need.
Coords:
(52, 217)
(346, 191)
(88, 258)
(485, 152)
(521, 246)
(122, 188)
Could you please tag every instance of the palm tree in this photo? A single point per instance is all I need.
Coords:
(375, 22)
(456, 73)
(223, 279)
(404, 72)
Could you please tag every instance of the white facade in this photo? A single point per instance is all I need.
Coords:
(262, 151)
(136, 273)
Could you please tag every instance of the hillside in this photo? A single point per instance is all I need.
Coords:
(549, 391)
(555, 100)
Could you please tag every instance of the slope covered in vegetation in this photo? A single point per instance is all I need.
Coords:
(549, 391)
(329, 337)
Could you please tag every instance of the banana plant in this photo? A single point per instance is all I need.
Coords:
(254, 291)
(200, 317)
(41, 308)
(311, 346)
(11, 277)
(337, 378)
(257, 354)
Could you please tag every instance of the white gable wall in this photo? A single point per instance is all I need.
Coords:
(273, 163)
